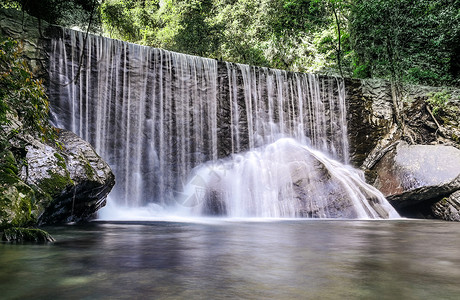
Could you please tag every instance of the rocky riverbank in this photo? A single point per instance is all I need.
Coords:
(413, 154)
(43, 180)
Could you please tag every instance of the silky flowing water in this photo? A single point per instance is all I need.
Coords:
(238, 259)
(162, 120)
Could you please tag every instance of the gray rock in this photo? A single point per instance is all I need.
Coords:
(29, 30)
(46, 184)
(411, 174)
(448, 208)
(369, 109)
(90, 180)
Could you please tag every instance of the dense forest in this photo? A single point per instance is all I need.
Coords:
(403, 40)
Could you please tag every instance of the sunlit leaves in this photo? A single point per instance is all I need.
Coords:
(130, 20)
(412, 41)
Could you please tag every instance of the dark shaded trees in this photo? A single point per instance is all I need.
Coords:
(410, 41)
(68, 13)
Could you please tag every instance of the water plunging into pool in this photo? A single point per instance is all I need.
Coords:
(207, 137)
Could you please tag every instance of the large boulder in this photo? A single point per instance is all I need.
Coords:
(413, 177)
(90, 179)
(44, 183)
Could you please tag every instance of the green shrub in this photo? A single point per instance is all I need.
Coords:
(438, 101)
(21, 94)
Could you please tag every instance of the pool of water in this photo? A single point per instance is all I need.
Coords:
(238, 259)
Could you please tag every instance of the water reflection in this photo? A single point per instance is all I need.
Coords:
(301, 259)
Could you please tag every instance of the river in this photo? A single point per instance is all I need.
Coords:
(238, 259)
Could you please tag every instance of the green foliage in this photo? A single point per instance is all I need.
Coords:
(187, 27)
(67, 13)
(130, 20)
(403, 40)
(22, 98)
(244, 30)
(438, 101)
(415, 41)
(21, 94)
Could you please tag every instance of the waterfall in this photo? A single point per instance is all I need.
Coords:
(283, 179)
(150, 113)
(155, 116)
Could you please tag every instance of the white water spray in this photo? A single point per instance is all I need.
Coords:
(283, 179)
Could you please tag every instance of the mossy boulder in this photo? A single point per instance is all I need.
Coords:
(49, 184)
(83, 186)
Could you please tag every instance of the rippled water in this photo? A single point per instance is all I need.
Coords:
(225, 259)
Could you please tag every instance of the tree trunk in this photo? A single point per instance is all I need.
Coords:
(339, 49)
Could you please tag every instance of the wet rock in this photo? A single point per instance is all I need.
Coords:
(370, 116)
(419, 120)
(448, 208)
(27, 29)
(214, 206)
(82, 186)
(411, 175)
(46, 183)
(283, 179)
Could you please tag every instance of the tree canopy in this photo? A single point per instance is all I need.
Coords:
(404, 40)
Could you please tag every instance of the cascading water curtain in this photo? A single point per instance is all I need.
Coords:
(154, 115)
(266, 104)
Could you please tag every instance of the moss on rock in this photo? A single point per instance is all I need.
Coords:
(17, 206)
(17, 199)
(8, 168)
(61, 160)
(89, 171)
(20, 234)
(56, 183)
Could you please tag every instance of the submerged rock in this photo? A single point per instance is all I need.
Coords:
(16, 234)
(412, 177)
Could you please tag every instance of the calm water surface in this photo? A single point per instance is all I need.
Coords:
(215, 259)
